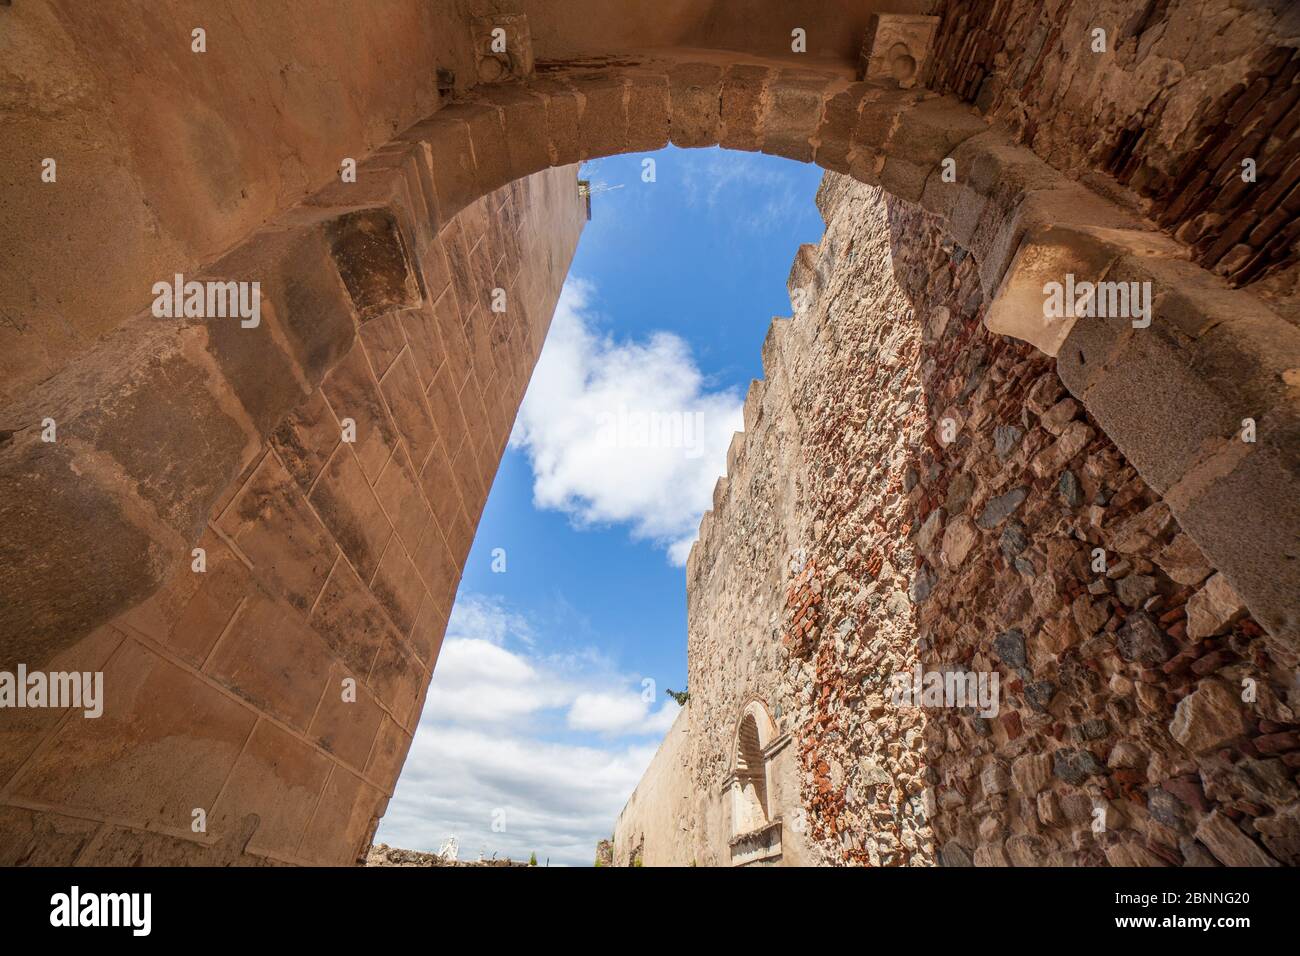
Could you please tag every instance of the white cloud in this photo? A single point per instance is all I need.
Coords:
(479, 682)
(554, 799)
(623, 431)
(488, 620)
(482, 755)
(478, 679)
(620, 713)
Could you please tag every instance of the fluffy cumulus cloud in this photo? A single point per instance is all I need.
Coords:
(623, 431)
(520, 750)
(619, 713)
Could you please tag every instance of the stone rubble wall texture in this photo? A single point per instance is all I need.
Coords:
(326, 560)
(1188, 89)
(848, 543)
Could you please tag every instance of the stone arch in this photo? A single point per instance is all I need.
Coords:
(874, 131)
(763, 729)
(1025, 224)
(351, 256)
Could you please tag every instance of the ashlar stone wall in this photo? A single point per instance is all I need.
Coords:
(258, 707)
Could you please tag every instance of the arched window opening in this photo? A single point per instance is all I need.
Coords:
(755, 815)
(751, 778)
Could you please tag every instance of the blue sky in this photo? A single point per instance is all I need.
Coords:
(539, 721)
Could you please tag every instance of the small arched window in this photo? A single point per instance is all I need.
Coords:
(751, 803)
(755, 811)
(751, 777)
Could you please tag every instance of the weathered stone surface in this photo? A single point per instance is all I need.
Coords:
(929, 531)
(1073, 439)
(1166, 808)
(793, 114)
(1069, 489)
(1229, 845)
(1142, 530)
(741, 105)
(50, 600)
(1207, 718)
(1213, 608)
(991, 855)
(897, 47)
(1000, 508)
(954, 854)
(1281, 834)
(1183, 561)
(1032, 773)
(503, 47)
(959, 536)
(1006, 438)
(1141, 640)
(1075, 766)
(1187, 788)
(959, 491)
(1251, 516)
(994, 779)
(295, 518)
(1266, 782)
(922, 584)
(354, 397)
(602, 116)
(696, 94)
(349, 509)
(1134, 589)
(1010, 647)
(1056, 418)
(189, 727)
(374, 262)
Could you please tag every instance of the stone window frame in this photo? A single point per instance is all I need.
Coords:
(762, 842)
